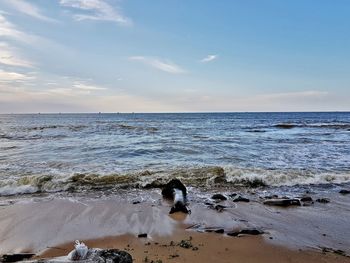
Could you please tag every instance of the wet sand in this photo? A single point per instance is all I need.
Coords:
(206, 247)
(49, 226)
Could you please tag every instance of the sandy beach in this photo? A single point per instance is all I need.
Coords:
(48, 226)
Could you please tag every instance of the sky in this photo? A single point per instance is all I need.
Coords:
(174, 55)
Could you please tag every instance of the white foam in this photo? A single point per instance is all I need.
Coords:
(281, 177)
(21, 189)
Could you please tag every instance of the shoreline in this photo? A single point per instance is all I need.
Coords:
(294, 233)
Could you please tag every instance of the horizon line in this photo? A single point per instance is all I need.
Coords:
(175, 112)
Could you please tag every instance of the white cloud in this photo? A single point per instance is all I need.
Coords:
(9, 76)
(162, 65)
(209, 58)
(96, 10)
(82, 86)
(28, 9)
(9, 56)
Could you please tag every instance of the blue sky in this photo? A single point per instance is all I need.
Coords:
(174, 56)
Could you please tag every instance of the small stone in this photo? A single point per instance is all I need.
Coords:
(246, 231)
(271, 197)
(283, 202)
(142, 235)
(219, 208)
(344, 192)
(323, 200)
(219, 197)
(306, 199)
(241, 199)
(220, 231)
(185, 244)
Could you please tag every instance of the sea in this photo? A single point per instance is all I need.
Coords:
(50, 153)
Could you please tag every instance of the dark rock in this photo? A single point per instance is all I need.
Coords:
(219, 197)
(168, 190)
(185, 244)
(240, 199)
(232, 195)
(283, 202)
(344, 192)
(16, 257)
(219, 231)
(308, 203)
(179, 207)
(219, 208)
(136, 202)
(246, 231)
(142, 235)
(271, 197)
(323, 200)
(306, 199)
(110, 255)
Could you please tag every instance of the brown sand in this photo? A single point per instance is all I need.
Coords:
(297, 233)
(207, 247)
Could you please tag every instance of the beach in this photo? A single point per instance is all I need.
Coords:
(48, 226)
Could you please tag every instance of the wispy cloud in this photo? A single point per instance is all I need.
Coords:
(309, 94)
(28, 9)
(10, 57)
(9, 76)
(96, 10)
(163, 65)
(9, 30)
(209, 58)
(83, 86)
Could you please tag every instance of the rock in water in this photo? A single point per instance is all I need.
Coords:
(323, 200)
(219, 197)
(179, 207)
(168, 190)
(283, 202)
(306, 199)
(241, 199)
(344, 191)
(246, 231)
(176, 191)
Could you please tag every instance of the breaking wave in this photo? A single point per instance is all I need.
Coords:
(207, 177)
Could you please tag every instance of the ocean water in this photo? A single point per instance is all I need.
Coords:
(76, 152)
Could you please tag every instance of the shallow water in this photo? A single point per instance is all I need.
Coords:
(41, 152)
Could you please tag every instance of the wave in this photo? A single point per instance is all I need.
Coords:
(336, 126)
(26, 137)
(207, 177)
(127, 127)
